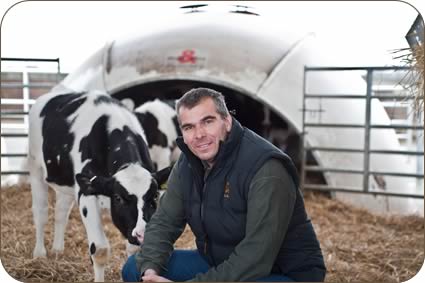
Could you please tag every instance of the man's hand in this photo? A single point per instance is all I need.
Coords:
(150, 275)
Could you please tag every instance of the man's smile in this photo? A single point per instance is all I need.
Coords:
(203, 146)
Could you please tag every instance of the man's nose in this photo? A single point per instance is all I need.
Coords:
(199, 132)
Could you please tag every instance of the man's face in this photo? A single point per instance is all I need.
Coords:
(203, 129)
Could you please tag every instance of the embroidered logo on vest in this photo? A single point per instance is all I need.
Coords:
(227, 191)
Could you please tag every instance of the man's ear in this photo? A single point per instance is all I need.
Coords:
(228, 122)
(94, 185)
(161, 177)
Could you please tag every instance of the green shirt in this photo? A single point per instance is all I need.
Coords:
(271, 200)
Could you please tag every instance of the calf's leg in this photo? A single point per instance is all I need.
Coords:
(39, 191)
(98, 243)
(63, 208)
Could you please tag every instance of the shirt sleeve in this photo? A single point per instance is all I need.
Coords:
(164, 228)
(271, 200)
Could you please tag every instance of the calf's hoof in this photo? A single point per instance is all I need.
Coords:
(56, 253)
(39, 252)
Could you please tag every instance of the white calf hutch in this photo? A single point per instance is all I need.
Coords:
(267, 77)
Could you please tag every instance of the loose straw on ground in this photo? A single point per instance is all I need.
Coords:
(357, 245)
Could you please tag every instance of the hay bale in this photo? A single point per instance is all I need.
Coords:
(418, 63)
(414, 80)
(357, 245)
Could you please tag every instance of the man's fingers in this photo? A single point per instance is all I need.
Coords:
(150, 272)
(150, 278)
(154, 278)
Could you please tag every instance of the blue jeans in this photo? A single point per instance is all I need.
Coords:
(184, 265)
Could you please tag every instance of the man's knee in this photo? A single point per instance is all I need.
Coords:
(129, 271)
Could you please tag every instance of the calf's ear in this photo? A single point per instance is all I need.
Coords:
(83, 181)
(94, 185)
(161, 177)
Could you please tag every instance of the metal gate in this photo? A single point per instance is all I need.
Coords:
(24, 67)
(367, 126)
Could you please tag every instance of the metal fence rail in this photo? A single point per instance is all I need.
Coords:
(26, 101)
(367, 126)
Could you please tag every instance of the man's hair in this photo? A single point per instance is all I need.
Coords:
(194, 96)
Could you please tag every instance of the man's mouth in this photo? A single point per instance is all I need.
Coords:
(203, 146)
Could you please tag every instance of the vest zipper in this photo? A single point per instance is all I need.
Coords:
(202, 202)
(206, 245)
(202, 217)
(203, 198)
(204, 192)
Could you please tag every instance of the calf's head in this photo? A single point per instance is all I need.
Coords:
(133, 192)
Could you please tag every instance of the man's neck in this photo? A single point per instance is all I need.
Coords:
(207, 164)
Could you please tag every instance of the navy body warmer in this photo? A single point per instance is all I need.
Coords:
(217, 216)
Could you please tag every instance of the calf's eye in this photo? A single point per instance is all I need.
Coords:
(118, 199)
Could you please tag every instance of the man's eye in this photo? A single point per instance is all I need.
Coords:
(209, 121)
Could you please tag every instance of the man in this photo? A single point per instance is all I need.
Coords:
(240, 196)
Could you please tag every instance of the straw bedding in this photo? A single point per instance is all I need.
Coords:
(357, 246)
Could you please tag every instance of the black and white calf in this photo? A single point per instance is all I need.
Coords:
(90, 148)
(159, 120)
